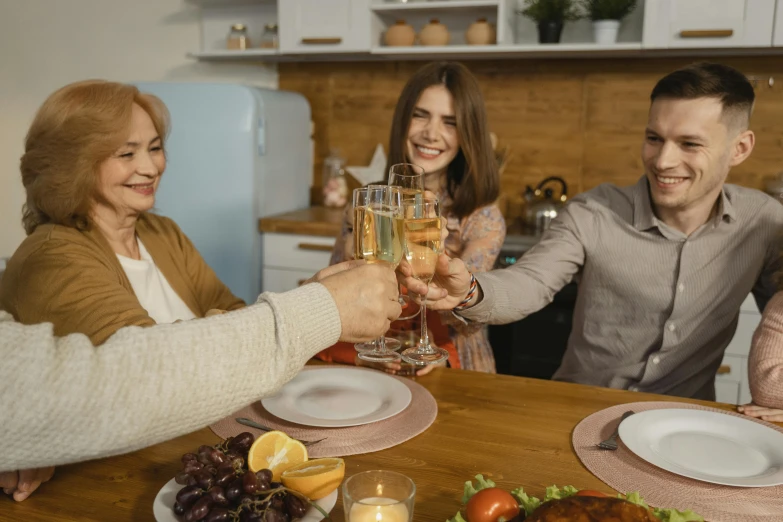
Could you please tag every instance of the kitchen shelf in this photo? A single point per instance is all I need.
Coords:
(476, 52)
(433, 6)
(230, 54)
(229, 3)
(504, 51)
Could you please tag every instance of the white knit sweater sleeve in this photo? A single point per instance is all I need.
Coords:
(63, 400)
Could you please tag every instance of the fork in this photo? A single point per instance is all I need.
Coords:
(611, 442)
(254, 424)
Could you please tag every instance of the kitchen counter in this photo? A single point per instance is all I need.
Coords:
(312, 221)
(326, 222)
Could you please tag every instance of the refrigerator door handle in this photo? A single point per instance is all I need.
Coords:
(261, 137)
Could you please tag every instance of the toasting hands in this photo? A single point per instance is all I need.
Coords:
(366, 297)
(448, 288)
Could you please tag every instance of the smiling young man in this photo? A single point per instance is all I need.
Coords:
(662, 266)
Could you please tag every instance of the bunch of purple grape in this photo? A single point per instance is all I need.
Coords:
(220, 488)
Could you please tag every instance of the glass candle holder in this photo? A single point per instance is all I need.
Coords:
(378, 496)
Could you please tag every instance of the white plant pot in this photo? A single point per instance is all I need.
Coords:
(605, 31)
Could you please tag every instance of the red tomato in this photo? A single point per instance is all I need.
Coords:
(491, 505)
(591, 493)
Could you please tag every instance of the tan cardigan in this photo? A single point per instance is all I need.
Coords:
(74, 280)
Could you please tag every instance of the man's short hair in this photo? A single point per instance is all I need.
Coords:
(710, 80)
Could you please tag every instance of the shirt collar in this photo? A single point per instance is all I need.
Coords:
(644, 217)
(725, 208)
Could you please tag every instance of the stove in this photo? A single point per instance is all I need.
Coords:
(533, 346)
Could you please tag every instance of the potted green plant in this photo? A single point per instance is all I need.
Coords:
(550, 15)
(606, 16)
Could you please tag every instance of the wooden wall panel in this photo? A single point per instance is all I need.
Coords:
(582, 120)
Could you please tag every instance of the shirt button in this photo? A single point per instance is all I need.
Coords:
(681, 287)
(656, 359)
(671, 327)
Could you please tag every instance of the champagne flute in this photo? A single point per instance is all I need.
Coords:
(359, 206)
(381, 242)
(423, 246)
(410, 178)
(360, 197)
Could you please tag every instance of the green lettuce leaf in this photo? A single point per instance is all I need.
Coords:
(470, 489)
(528, 503)
(553, 492)
(665, 514)
(457, 518)
(634, 498)
(672, 515)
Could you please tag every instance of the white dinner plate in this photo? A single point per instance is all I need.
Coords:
(163, 505)
(331, 397)
(708, 446)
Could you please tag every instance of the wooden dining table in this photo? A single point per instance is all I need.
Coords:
(514, 430)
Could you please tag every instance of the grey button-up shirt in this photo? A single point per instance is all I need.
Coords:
(655, 309)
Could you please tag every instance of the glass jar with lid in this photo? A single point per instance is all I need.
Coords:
(237, 37)
(335, 185)
(269, 37)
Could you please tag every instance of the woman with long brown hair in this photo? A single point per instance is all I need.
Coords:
(440, 124)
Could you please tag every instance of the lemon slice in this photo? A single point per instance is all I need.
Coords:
(315, 478)
(276, 452)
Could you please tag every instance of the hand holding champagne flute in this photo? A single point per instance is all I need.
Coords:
(423, 245)
(381, 241)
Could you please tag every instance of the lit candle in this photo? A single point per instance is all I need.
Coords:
(378, 509)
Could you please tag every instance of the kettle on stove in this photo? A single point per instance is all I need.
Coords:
(542, 205)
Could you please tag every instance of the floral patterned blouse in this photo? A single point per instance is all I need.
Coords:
(476, 239)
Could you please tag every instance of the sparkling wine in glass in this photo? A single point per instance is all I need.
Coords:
(410, 178)
(382, 242)
(359, 206)
(423, 245)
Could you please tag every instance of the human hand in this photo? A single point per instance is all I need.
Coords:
(21, 484)
(448, 288)
(335, 269)
(367, 300)
(761, 412)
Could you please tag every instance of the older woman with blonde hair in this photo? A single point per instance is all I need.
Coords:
(95, 258)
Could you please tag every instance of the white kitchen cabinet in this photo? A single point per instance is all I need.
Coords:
(290, 259)
(777, 32)
(324, 26)
(727, 392)
(672, 24)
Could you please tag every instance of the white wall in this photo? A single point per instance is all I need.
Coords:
(45, 44)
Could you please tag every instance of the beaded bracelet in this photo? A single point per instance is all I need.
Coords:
(471, 294)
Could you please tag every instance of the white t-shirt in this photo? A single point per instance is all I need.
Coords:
(152, 290)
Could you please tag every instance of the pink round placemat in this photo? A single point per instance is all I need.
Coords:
(625, 472)
(340, 442)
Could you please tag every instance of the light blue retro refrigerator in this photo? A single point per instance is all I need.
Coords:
(235, 154)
